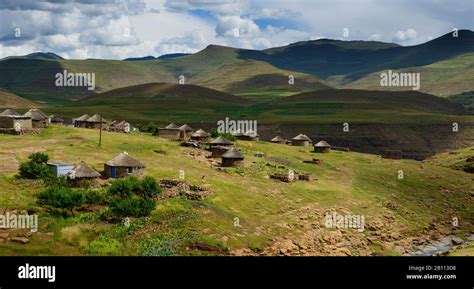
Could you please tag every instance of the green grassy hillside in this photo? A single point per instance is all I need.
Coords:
(276, 218)
(443, 78)
(462, 159)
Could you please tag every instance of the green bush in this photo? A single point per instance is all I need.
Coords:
(132, 197)
(136, 207)
(61, 198)
(215, 134)
(95, 197)
(36, 167)
(104, 246)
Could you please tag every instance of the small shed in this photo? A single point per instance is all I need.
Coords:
(232, 158)
(393, 154)
(301, 140)
(38, 118)
(200, 135)
(188, 131)
(219, 146)
(53, 119)
(81, 121)
(60, 169)
(96, 122)
(122, 165)
(322, 147)
(278, 139)
(80, 174)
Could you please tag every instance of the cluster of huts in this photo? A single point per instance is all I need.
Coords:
(13, 122)
(304, 141)
(96, 121)
(219, 147)
(120, 166)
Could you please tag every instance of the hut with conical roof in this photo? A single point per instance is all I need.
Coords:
(232, 158)
(188, 131)
(10, 112)
(81, 121)
(301, 140)
(122, 166)
(81, 174)
(322, 147)
(219, 146)
(38, 118)
(96, 122)
(53, 119)
(200, 135)
(173, 132)
(278, 139)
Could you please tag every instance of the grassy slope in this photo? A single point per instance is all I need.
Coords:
(443, 78)
(10, 100)
(268, 210)
(455, 159)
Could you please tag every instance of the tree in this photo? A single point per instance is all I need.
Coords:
(36, 167)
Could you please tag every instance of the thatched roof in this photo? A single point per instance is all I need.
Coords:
(124, 160)
(54, 118)
(83, 117)
(96, 118)
(322, 144)
(200, 133)
(221, 141)
(301, 137)
(171, 126)
(277, 139)
(10, 112)
(82, 170)
(35, 114)
(186, 127)
(233, 153)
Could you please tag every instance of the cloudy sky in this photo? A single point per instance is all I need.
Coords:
(117, 29)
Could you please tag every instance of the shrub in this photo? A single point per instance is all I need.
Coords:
(95, 197)
(104, 246)
(61, 198)
(215, 133)
(36, 167)
(132, 197)
(137, 207)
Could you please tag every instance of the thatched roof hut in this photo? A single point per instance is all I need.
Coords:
(35, 114)
(220, 141)
(278, 139)
(55, 119)
(232, 158)
(322, 147)
(122, 165)
(10, 112)
(200, 134)
(83, 117)
(186, 128)
(124, 160)
(83, 171)
(38, 118)
(96, 118)
(301, 140)
(172, 126)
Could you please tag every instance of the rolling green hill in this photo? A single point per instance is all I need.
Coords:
(443, 78)
(326, 57)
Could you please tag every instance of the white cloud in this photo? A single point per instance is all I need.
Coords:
(273, 13)
(402, 36)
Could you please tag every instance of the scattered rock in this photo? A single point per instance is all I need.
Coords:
(21, 240)
(457, 241)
